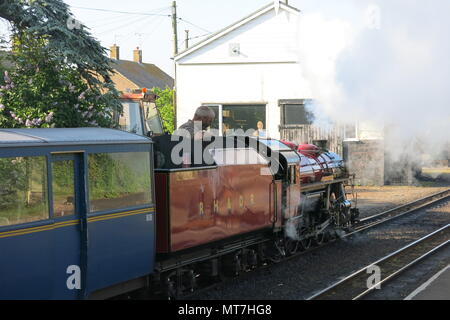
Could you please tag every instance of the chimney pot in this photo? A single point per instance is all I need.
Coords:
(137, 54)
(115, 52)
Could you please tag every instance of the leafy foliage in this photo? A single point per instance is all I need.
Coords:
(166, 108)
(60, 74)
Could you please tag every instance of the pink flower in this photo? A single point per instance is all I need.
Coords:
(49, 118)
(2, 107)
(7, 78)
(28, 123)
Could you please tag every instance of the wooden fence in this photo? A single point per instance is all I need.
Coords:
(309, 133)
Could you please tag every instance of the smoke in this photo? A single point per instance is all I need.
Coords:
(384, 64)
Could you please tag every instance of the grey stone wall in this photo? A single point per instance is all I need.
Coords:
(366, 159)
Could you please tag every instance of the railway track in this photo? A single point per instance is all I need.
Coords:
(375, 220)
(359, 284)
(365, 224)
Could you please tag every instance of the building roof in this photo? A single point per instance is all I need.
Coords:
(143, 75)
(275, 5)
(75, 136)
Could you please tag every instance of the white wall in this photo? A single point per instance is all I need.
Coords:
(269, 37)
(267, 70)
(240, 84)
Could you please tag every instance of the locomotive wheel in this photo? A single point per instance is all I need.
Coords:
(320, 239)
(276, 251)
(291, 246)
(306, 244)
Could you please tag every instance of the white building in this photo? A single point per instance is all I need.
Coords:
(248, 72)
(251, 72)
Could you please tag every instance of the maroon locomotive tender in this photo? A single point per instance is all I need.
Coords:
(238, 208)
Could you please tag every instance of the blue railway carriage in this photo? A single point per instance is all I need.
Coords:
(76, 213)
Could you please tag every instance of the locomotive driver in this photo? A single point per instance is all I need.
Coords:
(203, 119)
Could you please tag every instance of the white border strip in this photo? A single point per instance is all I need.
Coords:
(426, 284)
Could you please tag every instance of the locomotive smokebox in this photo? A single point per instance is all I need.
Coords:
(322, 144)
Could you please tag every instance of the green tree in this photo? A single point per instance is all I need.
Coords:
(60, 74)
(166, 108)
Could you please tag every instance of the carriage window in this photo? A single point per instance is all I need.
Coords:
(23, 190)
(63, 188)
(119, 180)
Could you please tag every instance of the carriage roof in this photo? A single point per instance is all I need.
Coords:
(75, 136)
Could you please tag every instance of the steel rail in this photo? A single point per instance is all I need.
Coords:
(349, 281)
(398, 212)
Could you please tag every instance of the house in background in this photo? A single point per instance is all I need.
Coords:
(136, 75)
(135, 79)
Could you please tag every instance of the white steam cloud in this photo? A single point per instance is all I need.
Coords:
(386, 63)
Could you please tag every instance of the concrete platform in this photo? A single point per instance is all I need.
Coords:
(437, 288)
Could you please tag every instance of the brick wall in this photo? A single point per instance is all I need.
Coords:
(122, 83)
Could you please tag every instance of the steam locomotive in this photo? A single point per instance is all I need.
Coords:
(96, 213)
(243, 209)
(246, 201)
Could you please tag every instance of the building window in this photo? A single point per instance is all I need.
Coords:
(230, 118)
(244, 117)
(296, 112)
